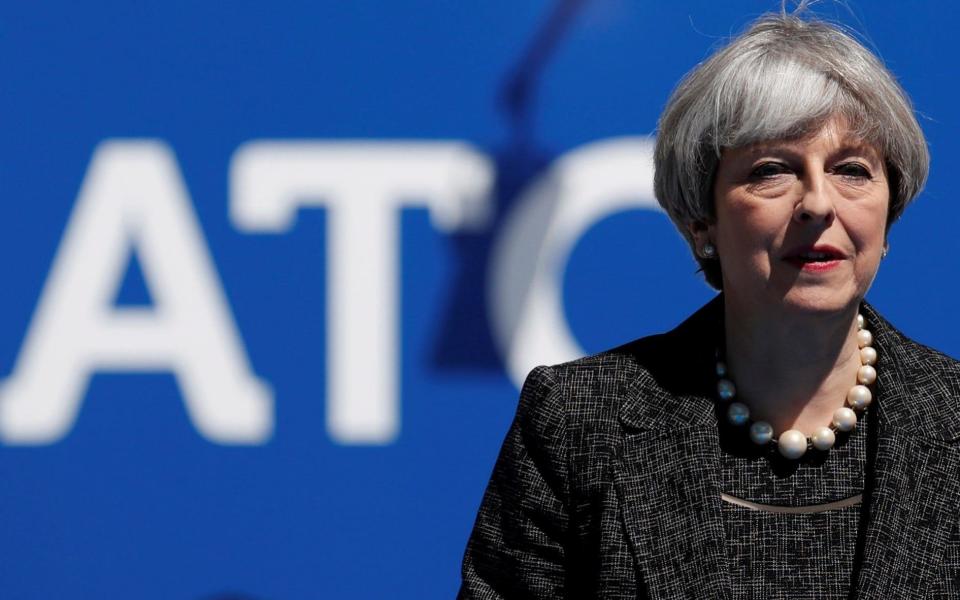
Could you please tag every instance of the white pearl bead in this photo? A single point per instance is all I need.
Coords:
(726, 389)
(823, 438)
(866, 375)
(761, 433)
(859, 397)
(738, 413)
(792, 444)
(844, 419)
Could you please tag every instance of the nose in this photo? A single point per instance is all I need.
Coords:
(815, 204)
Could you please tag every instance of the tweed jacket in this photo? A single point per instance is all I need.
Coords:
(607, 485)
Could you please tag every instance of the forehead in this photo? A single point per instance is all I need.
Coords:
(831, 137)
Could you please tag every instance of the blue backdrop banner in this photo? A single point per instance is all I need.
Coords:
(274, 273)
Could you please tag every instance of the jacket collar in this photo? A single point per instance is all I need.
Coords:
(912, 493)
(913, 398)
(687, 398)
(669, 459)
(677, 372)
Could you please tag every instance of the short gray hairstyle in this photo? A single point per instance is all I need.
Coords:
(781, 79)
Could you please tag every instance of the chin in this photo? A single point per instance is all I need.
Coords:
(820, 302)
(785, 293)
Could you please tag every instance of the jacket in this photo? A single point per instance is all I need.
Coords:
(607, 485)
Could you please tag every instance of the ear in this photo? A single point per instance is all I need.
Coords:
(701, 232)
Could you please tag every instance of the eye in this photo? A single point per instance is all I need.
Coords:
(768, 170)
(853, 170)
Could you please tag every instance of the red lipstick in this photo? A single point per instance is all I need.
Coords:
(815, 258)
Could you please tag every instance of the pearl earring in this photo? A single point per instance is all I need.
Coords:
(709, 251)
(883, 255)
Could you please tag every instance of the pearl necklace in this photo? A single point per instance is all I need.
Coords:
(792, 443)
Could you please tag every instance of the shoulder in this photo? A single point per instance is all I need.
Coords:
(605, 374)
(645, 380)
(589, 389)
(909, 354)
(931, 377)
(929, 360)
(920, 386)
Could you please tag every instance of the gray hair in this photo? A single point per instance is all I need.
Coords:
(781, 79)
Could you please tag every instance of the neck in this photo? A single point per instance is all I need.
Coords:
(792, 369)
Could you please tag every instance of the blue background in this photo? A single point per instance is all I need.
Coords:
(133, 503)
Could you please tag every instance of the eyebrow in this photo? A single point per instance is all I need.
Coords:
(857, 147)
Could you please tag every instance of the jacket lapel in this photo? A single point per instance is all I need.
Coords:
(914, 487)
(668, 465)
(670, 500)
(667, 471)
(914, 495)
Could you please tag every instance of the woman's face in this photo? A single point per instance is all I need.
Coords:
(800, 224)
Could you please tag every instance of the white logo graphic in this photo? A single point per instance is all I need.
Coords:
(531, 253)
(362, 185)
(133, 200)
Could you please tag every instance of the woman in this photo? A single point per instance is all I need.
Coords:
(785, 441)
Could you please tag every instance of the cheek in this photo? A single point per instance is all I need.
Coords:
(867, 229)
(749, 229)
(866, 218)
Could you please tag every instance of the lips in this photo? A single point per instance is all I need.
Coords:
(817, 257)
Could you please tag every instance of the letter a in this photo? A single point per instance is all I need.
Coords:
(133, 200)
